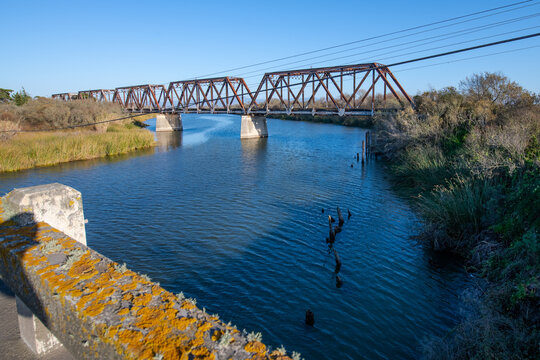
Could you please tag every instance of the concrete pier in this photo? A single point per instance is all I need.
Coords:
(169, 122)
(253, 127)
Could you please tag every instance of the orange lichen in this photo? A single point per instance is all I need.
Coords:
(188, 305)
(142, 299)
(217, 335)
(85, 292)
(84, 268)
(124, 311)
(255, 347)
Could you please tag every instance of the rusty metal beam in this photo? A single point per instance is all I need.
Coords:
(227, 94)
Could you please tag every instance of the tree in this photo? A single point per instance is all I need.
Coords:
(5, 95)
(21, 97)
(493, 87)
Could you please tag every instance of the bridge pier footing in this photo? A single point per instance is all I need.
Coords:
(169, 122)
(61, 207)
(253, 127)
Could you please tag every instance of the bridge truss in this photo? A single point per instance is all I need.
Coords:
(339, 90)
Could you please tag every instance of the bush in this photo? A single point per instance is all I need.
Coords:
(473, 158)
(44, 113)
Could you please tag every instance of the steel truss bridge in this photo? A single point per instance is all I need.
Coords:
(339, 90)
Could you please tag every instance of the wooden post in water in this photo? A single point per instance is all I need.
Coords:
(363, 151)
(332, 234)
(340, 217)
(338, 262)
(367, 144)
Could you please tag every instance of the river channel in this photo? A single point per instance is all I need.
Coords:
(238, 225)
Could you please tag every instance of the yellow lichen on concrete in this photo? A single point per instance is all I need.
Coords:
(255, 347)
(146, 320)
(84, 268)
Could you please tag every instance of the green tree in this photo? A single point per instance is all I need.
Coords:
(5, 95)
(21, 97)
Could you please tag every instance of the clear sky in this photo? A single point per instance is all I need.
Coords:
(61, 46)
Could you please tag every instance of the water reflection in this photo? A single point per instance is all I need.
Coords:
(252, 148)
(168, 140)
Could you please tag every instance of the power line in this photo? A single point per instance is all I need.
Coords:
(371, 38)
(396, 64)
(371, 58)
(310, 81)
(462, 32)
(469, 58)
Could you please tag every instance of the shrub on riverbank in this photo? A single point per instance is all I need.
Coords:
(45, 113)
(472, 158)
(23, 150)
(28, 150)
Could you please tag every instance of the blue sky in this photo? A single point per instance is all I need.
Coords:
(59, 46)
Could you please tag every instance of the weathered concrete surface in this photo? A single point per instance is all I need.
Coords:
(169, 122)
(56, 204)
(253, 127)
(11, 344)
(99, 309)
(36, 336)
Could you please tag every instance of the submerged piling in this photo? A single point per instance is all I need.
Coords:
(363, 151)
(310, 317)
(338, 262)
(332, 234)
(340, 217)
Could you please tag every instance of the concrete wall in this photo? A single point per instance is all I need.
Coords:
(100, 309)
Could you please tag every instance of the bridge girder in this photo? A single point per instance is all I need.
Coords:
(340, 87)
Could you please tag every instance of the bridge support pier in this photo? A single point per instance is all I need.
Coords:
(169, 122)
(61, 207)
(253, 127)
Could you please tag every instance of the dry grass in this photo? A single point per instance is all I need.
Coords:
(28, 150)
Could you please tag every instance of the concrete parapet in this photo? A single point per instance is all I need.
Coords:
(253, 127)
(56, 204)
(100, 309)
(169, 122)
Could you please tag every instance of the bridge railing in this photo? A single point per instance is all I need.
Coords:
(92, 305)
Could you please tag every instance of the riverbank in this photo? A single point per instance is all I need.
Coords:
(28, 137)
(29, 150)
(470, 160)
(365, 122)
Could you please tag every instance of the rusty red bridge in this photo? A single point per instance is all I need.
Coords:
(344, 90)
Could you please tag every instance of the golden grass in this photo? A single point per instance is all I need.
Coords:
(28, 150)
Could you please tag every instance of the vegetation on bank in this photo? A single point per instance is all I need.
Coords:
(354, 121)
(471, 158)
(91, 137)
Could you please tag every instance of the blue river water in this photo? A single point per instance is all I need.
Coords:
(238, 225)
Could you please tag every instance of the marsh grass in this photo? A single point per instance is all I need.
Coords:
(28, 150)
(471, 160)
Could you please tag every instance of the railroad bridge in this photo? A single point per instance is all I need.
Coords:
(340, 90)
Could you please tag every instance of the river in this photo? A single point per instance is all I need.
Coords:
(238, 225)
